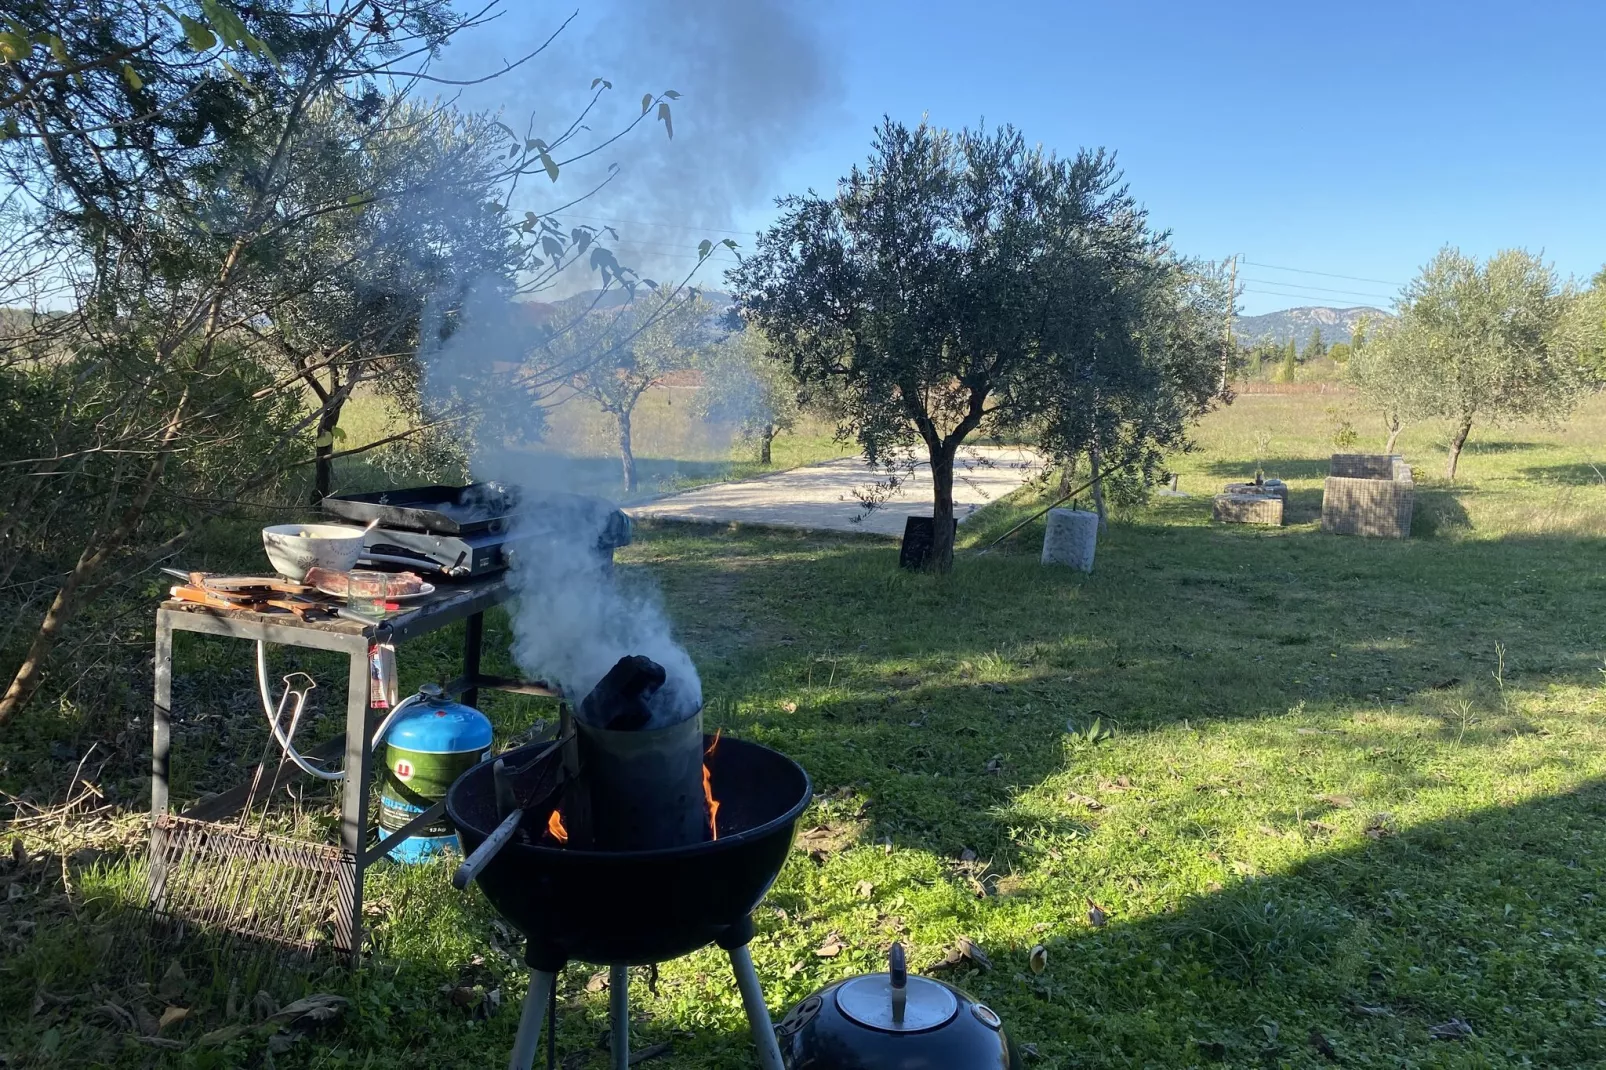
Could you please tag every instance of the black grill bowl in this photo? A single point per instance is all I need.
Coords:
(639, 907)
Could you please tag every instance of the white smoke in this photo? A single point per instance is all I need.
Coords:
(573, 620)
(754, 83)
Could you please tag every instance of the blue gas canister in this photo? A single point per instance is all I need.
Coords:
(426, 747)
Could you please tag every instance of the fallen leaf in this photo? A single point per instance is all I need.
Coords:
(995, 764)
(864, 889)
(1041, 927)
(1379, 826)
(793, 969)
(1038, 959)
(170, 1015)
(1454, 1029)
(1083, 800)
(832, 947)
(1343, 802)
(1323, 1045)
(1029, 1050)
(266, 1006)
(162, 1042)
(651, 1051)
(172, 983)
(1096, 915)
(1371, 1010)
(967, 855)
(789, 707)
(147, 1024)
(967, 947)
(15, 892)
(320, 1007)
(597, 981)
(219, 1037)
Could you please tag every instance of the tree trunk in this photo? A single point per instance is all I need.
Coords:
(626, 457)
(323, 457)
(1067, 474)
(1393, 424)
(1455, 446)
(942, 511)
(765, 438)
(1096, 474)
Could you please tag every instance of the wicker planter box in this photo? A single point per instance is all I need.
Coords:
(1269, 487)
(1380, 508)
(1248, 509)
(1366, 466)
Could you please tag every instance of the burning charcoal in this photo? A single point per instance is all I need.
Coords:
(619, 701)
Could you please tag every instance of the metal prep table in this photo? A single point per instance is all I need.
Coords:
(466, 601)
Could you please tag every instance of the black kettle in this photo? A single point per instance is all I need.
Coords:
(891, 1021)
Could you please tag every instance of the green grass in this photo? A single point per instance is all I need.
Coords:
(1341, 787)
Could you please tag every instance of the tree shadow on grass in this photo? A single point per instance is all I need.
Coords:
(1572, 475)
(1488, 919)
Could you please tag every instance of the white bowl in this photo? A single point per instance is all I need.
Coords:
(294, 548)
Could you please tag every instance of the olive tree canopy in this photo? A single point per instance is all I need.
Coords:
(1496, 341)
(966, 282)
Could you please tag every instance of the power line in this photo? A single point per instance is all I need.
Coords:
(1280, 293)
(1323, 289)
(1326, 274)
(643, 223)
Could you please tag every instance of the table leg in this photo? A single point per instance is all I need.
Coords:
(354, 801)
(473, 642)
(161, 747)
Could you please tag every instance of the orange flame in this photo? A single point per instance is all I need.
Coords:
(708, 790)
(713, 804)
(554, 825)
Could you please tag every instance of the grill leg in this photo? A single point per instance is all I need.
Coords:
(531, 1019)
(758, 1015)
(619, 1015)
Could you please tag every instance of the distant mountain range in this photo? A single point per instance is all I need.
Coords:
(1336, 324)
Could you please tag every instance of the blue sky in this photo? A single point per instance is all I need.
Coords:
(1351, 140)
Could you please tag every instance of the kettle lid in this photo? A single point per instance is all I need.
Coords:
(894, 1002)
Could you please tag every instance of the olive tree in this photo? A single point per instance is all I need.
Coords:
(1477, 342)
(743, 387)
(620, 355)
(966, 282)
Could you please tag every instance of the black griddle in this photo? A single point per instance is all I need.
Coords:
(439, 510)
(476, 530)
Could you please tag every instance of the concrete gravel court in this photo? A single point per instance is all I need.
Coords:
(819, 497)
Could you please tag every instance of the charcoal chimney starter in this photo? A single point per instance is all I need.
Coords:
(644, 785)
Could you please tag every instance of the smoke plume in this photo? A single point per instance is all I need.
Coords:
(753, 82)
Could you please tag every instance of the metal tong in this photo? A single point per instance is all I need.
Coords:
(511, 813)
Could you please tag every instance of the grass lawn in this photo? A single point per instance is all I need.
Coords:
(1327, 793)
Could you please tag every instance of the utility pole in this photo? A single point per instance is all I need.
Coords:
(1232, 305)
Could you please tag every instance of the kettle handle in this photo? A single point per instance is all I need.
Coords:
(898, 975)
